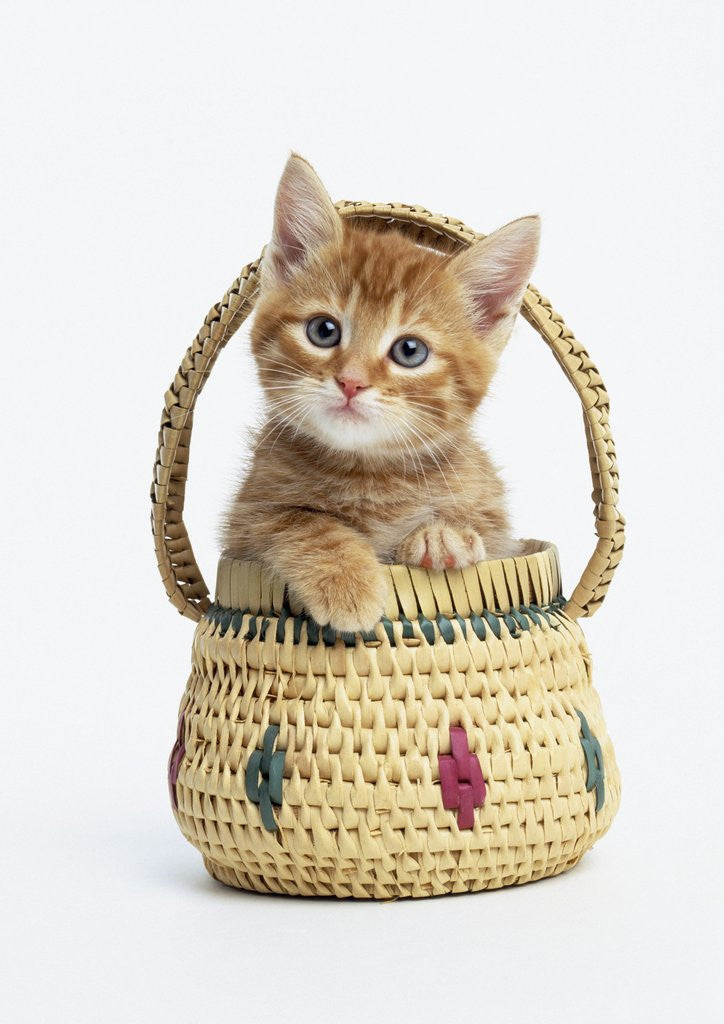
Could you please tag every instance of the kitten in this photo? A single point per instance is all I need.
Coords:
(374, 354)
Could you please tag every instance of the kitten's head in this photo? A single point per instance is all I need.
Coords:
(370, 343)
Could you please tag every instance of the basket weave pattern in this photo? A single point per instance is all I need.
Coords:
(459, 746)
(363, 728)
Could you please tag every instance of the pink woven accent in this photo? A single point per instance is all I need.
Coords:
(466, 811)
(461, 779)
(174, 762)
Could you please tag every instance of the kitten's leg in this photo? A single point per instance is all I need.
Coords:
(439, 545)
(327, 566)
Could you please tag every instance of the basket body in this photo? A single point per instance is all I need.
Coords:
(460, 747)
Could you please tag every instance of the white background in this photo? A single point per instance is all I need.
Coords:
(141, 146)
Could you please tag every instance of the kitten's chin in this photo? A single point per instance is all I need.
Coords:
(346, 431)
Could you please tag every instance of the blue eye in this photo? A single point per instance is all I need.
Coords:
(409, 352)
(323, 331)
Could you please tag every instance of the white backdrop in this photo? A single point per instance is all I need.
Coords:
(141, 148)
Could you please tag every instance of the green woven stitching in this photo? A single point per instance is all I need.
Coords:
(463, 626)
(407, 631)
(387, 626)
(446, 631)
(281, 623)
(493, 622)
(477, 625)
(263, 778)
(428, 630)
(517, 621)
(595, 777)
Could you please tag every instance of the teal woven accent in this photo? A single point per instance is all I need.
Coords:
(477, 625)
(281, 622)
(461, 622)
(445, 626)
(264, 776)
(493, 622)
(387, 626)
(298, 622)
(276, 776)
(270, 738)
(428, 630)
(265, 807)
(531, 613)
(511, 624)
(595, 777)
(251, 779)
(520, 619)
(517, 620)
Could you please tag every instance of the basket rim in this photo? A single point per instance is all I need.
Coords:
(494, 585)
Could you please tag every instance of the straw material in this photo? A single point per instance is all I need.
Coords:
(363, 727)
(458, 746)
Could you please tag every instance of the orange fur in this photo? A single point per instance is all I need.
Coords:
(396, 474)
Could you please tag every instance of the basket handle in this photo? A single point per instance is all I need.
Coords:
(179, 570)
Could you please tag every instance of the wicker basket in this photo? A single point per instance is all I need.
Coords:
(459, 746)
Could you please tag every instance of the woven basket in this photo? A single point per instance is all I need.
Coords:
(459, 746)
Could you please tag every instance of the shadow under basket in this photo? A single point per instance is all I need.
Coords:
(458, 746)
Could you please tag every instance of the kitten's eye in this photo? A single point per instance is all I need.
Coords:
(409, 352)
(323, 331)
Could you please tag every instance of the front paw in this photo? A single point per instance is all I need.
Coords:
(348, 595)
(440, 546)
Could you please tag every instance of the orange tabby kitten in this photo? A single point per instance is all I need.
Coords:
(374, 354)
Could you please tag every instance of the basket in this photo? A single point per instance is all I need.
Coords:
(459, 746)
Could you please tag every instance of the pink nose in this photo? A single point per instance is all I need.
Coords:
(351, 385)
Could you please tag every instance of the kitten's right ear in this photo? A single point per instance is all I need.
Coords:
(494, 273)
(305, 219)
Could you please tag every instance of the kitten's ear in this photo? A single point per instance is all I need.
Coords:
(304, 220)
(494, 273)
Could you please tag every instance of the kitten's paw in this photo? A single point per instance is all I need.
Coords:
(440, 546)
(350, 596)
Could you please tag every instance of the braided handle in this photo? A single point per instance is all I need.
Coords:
(180, 573)
(179, 570)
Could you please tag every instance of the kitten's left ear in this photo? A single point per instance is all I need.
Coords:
(494, 273)
(305, 220)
